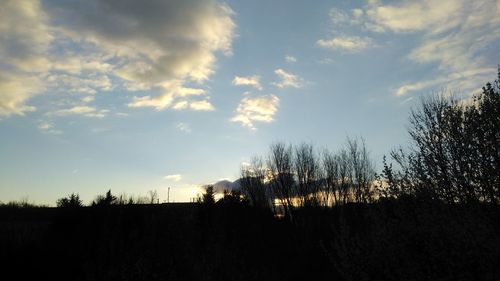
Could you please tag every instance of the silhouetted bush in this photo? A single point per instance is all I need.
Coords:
(104, 200)
(208, 197)
(455, 153)
(232, 197)
(72, 201)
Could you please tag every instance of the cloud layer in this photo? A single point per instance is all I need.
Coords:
(461, 37)
(24, 39)
(167, 47)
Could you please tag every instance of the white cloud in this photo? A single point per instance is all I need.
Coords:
(258, 109)
(184, 127)
(290, 59)
(181, 105)
(253, 81)
(175, 97)
(83, 110)
(175, 177)
(461, 37)
(89, 85)
(88, 99)
(24, 35)
(203, 105)
(24, 38)
(351, 44)
(48, 127)
(287, 79)
(326, 61)
(89, 46)
(121, 114)
(408, 16)
(338, 16)
(161, 45)
(15, 90)
(461, 80)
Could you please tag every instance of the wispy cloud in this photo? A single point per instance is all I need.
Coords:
(459, 36)
(175, 177)
(350, 44)
(15, 90)
(257, 109)
(84, 110)
(340, 17)
(48, 127)
(253, 81)
(25, 38)
(409, 16)
(287, 79)
(461, 80)
(290, 59)
(184, 127)
(203, 105)
(87, 99)
(177, 96)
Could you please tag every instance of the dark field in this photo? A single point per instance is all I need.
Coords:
(389, 240)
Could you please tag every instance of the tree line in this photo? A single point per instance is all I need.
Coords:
(453, 157)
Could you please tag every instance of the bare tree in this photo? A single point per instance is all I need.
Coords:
(307, 171)
(153, 196)
(455, 154)
(280, 166)
(330, 189)
(363, 171)
(253, 183)
(345, 176)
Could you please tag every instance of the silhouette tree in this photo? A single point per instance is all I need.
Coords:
(72, 201)
(253, 184)
(106, 200)
(232, 197)
(280, 168)
(153, 196)
(307, 171)
(208, 197)
(455, 154)
(363, 171)
(330, 185)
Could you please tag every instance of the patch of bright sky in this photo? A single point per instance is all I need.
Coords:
(106, 118)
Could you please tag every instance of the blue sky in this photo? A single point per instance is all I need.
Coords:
(140, 95)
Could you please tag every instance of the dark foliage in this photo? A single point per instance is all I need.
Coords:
(155, 242)
(208, 197)
(72, 201)
(105, 200)
(404, 239)
(455, 155)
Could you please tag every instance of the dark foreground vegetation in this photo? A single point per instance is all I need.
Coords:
(403, 239)
(433, 213)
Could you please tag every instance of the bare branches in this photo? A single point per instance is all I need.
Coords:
(253, 184)
(455, 156)
(298, 176)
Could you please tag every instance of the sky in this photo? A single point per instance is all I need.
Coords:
(135, 96)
